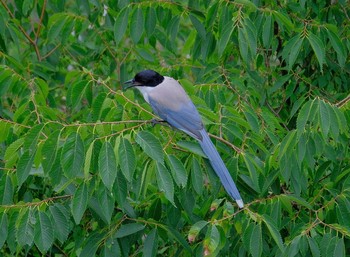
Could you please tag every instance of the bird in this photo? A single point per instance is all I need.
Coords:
(172, 104)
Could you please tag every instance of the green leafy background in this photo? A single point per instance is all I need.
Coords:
(83, 172)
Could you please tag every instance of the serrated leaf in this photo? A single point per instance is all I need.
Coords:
(72, 156)
(104, 198)
(178, 170)
(294, 50)
(197, 177)
(137, 25)
(198, 26)
(256, 245)
(3, 228)
(212, 239)
(24, 166)
(271, 226)
(6, 190)
(151, 21)
(338, 47)
(303, 116)
(88, 159)
(25, 228)
(79, 202)
(31, 139)
(78, 91)
(195, 229)
(151, 145)
(120, 25)
(120, 188)
(91, 245)
(339, 250)
(192, 147)
(151, 244)
(107, 164)
(129, 229)
(56, 24)
(318, 48)
(49, 151)
(284, 19)
(60, 217)
(267, 31)
(315, 250)
(225, 37)
(127, 160)
(165, 182)
(43, 232)
(324, 118)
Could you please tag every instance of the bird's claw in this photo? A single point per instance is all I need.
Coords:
(156, 121)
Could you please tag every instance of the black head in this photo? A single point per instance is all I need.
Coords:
(146, 78)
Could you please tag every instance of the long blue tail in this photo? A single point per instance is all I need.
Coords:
(219, 167)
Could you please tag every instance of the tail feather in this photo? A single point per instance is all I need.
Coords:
(220, 168)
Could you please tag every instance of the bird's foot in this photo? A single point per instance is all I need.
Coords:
(156, 121)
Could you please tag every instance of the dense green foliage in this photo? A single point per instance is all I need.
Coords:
(83, 172)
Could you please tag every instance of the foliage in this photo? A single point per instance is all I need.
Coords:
(83, 172)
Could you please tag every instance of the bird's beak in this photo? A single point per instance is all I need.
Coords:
(130, 83)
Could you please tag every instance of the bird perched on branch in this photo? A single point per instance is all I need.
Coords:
(172, 104)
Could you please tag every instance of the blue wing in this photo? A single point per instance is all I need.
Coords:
(185, 117)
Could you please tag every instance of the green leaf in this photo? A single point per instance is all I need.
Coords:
(120, 25)
(43, 232)
(267, 34)
(303, 117)
(79, 202)
(195, 229)
(318, 48)
(324, 118)
(104, 198)
(192, 147)
(3, 228)
(151, 145)
(256, 245)
(212, 239)
(6, 190)
(151, 21)
(178, 237)
(88, 159)
(225, 37)
(315, 249)
(198, 26)
(338, 47)
(61, 222)
(339, 250)
(127, 160)
(271, 226)
(151, 244)
(197, 177)
(56, 24)
(120, 188)
(72, 156)
(49, 151)
(91, 245)
(31, 139)
(107, 165)
(78, 91)
(129, 229)
(297, 42)
(178, 170)
(284, 20)
(25, 227)
(24, 166)
(137, 25)
(165, 182)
